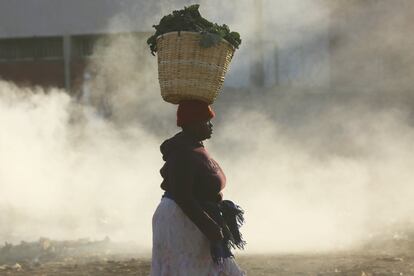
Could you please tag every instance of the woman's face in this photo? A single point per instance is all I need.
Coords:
(207, 129)
(202, 130)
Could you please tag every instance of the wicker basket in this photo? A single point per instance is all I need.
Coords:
(186, 71)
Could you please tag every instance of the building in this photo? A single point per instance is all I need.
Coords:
(51, 44)
(295, 44)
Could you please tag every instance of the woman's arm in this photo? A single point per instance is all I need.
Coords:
(183, 177)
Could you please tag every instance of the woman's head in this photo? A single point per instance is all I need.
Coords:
(194, 117)
(199, 130)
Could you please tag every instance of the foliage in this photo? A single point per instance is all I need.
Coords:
(190, 19)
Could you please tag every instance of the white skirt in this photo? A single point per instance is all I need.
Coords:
(179, 248)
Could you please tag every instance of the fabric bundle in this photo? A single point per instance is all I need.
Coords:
(229, 217)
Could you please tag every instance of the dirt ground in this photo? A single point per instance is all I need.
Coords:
(255, 265)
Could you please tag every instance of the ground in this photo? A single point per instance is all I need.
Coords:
(255, 265)
(82, 257)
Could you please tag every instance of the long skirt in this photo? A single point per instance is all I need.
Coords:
(179, 248)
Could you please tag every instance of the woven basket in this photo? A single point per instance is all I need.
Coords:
(186, 71)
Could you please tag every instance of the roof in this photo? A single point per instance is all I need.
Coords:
(23, 18)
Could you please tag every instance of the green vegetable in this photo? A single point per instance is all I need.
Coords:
(190, 19)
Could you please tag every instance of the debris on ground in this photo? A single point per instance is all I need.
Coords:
(107, 258)
(47, 250)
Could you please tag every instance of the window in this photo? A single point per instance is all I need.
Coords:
(31, 48)
(82, 45)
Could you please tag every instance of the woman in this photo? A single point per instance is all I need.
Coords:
(185, 234)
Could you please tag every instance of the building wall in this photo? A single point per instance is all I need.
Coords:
(32, 61)
(44, 61)
(28, 73)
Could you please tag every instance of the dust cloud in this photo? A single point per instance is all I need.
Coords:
(69, 179)
(320, 159)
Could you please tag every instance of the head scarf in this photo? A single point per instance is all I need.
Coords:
(192, 111)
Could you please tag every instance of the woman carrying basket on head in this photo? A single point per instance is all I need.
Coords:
(193, 228)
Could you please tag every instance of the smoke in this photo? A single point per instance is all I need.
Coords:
(320, 161)
(62, 178)
(370, 45)
(86, 167)
(344, 179)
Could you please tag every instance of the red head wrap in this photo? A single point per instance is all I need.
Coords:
(191, 111)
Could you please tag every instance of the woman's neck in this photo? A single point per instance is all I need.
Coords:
(191, 136)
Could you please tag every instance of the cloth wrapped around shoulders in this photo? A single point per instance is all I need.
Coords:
(194, 181)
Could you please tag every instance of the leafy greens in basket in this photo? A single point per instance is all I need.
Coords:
(190, 19)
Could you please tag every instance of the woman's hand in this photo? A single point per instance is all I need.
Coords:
(214, 233)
